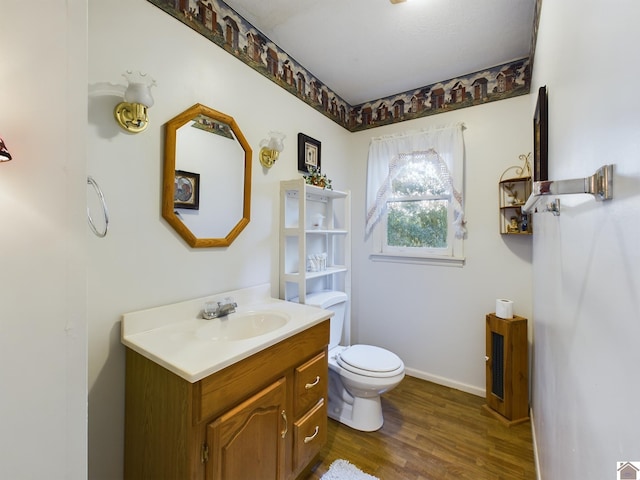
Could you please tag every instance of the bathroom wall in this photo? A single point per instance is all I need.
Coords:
(58, 279)
(142, 262)
(434, 316)
(43, 325)
(586, 262)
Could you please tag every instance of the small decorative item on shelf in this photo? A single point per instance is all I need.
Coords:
(314, 177)
(317, 262)
(513, 226)
(317, 220)
(513, 190)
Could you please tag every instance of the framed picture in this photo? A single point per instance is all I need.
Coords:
(308, 153)
(541, 137)
(186, 190)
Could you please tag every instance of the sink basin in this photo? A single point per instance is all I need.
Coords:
(243, 325)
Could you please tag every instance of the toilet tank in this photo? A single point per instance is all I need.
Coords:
(336, 302)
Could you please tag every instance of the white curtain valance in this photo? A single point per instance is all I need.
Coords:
(441, 146)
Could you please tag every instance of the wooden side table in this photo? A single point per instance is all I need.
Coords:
(507, 368)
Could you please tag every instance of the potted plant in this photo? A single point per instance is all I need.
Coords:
(314, 177)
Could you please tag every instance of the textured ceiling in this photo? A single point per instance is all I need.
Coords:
(370, 49)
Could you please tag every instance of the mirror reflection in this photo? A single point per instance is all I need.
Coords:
(207, 176)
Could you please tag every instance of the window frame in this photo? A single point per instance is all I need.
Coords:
(451, 255)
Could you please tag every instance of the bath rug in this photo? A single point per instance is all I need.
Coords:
(343, 470)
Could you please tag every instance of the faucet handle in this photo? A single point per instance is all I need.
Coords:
(229, 301)
(222, 308)
(210, 309)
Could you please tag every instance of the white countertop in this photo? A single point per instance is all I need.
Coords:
(168, 336)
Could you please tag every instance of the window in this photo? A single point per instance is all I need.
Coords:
(416, 212)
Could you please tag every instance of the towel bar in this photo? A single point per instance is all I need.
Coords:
(600, 185)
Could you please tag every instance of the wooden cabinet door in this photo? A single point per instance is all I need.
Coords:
(248, 442)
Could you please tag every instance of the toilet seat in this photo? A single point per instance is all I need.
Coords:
(370, 361)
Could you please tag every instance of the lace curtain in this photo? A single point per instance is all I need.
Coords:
(443, 147)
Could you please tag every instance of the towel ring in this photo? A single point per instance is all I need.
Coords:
(96, 187)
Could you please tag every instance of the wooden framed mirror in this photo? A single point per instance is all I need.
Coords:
(206, 193)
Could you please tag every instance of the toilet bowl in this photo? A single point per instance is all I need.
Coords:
(358, 374)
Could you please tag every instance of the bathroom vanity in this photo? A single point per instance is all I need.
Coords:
(221, 407)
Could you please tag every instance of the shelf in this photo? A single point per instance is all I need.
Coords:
(512, 194)
(295, 276)
(327, 232)
(316, 193)
(314, 227)
(293, 231)
(515, 179)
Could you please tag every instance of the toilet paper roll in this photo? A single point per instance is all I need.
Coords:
(504, 308)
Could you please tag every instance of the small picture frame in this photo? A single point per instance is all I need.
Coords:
(308, 153)
(541, 137)
(186, 190)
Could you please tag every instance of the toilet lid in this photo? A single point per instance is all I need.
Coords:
(369, 359)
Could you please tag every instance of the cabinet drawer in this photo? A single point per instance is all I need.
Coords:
(310, 383)
(309, 435)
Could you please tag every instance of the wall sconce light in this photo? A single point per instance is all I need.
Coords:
(271, 148)
(132, 113)
(5, 156)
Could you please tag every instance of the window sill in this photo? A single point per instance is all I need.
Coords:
(418, 259)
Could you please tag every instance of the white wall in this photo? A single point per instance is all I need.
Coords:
(142, 262)
(43, 326)
(586, 261)
(433, 317)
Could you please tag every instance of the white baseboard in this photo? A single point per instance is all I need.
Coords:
(480, 392)
(536, 459)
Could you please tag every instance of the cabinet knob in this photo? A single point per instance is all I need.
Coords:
(286, 425)
(309, 386)
(486, 358)
(311, 437)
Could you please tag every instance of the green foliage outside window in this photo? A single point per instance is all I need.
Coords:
(417, 213)
(417, 224)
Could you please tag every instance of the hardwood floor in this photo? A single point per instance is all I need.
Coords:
(433, 432)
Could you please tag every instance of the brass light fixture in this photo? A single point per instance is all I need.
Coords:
(5, 156)
(398, 1)
(271, 148)
(132, 113)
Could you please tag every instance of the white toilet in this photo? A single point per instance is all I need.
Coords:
(358, 374)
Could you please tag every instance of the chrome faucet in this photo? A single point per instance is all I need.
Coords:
(219, 309)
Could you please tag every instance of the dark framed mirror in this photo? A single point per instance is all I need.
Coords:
(206, 195)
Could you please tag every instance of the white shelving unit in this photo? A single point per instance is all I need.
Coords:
(302, 237)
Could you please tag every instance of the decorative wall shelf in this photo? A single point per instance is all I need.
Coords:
(514, 188)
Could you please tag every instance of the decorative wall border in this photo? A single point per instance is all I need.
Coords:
(221, 24)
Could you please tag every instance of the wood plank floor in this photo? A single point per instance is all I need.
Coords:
(432, 432)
